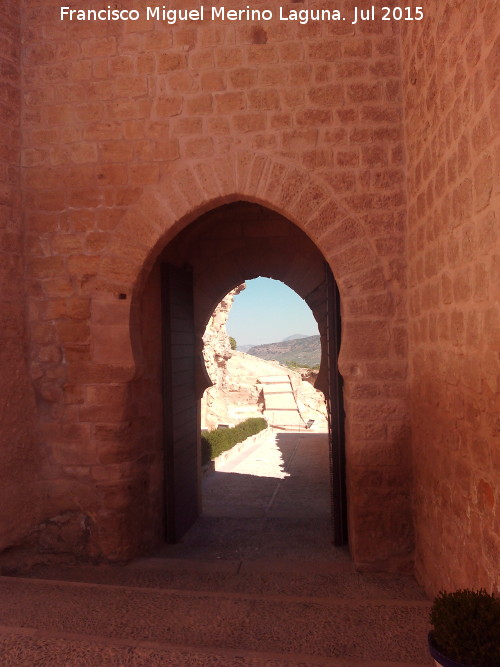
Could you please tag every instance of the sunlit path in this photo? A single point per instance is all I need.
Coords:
(267, 501)
(296, 465)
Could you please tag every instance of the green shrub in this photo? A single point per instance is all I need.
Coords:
(294, 364)
(220, 440)
(467, 627)
(233, 343)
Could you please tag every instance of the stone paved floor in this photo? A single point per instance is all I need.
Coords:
(255, 582)
(270, 501)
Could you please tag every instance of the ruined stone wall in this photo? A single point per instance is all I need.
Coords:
(451, 63)
(132, 130)
(18, 470)
(216, 353)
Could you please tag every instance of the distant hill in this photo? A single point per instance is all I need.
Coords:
(305, 350)
(296, 337)
(244, 348)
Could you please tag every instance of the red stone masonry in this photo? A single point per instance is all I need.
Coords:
(452, 102)
(18, 461)
(131, 131)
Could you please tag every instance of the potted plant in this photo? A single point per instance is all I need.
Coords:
(466, 629)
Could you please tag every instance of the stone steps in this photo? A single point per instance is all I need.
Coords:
(281, 410)
(27, 647)
(186, 612)
(312, 579)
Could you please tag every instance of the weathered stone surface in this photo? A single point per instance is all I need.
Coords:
(377, 140)
(19, 458)
(452, 206)
(215, 405)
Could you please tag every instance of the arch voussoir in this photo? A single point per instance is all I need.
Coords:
(273, 184)
(342, 233)
(188, 185)
(258, 173)
(330, 213)
(173, 200)
(244, 161)
(352, 258)
(225, 172)
(292, 186)
(312, 197)
(208, 181)
(185, 193)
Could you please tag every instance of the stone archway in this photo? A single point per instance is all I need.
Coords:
(186, 193)
(222, 248)
(372, 359)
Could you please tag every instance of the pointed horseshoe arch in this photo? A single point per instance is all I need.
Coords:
(379, 530)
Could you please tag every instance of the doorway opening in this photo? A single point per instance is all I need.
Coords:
(220, 250)
(265, 495)
(262, 352)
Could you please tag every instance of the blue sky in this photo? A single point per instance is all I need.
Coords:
(267, 312)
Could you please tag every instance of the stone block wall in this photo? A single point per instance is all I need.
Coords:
(452, 105)
(18, 460)
(130, 132)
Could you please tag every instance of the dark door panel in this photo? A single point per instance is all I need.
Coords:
(179, 402)
(336, 415)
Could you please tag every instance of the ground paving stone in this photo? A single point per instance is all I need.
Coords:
(249, 585)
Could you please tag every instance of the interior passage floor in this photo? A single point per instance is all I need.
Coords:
(271, 500)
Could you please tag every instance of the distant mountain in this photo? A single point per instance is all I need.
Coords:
(304, 350)
(296, 337)
(245, 348)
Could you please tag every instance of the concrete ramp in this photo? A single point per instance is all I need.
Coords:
(281, 409)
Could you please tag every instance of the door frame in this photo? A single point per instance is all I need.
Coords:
(335, 403)
(336, 414)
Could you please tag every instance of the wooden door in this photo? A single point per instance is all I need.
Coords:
(336, 415)
(180, 404)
